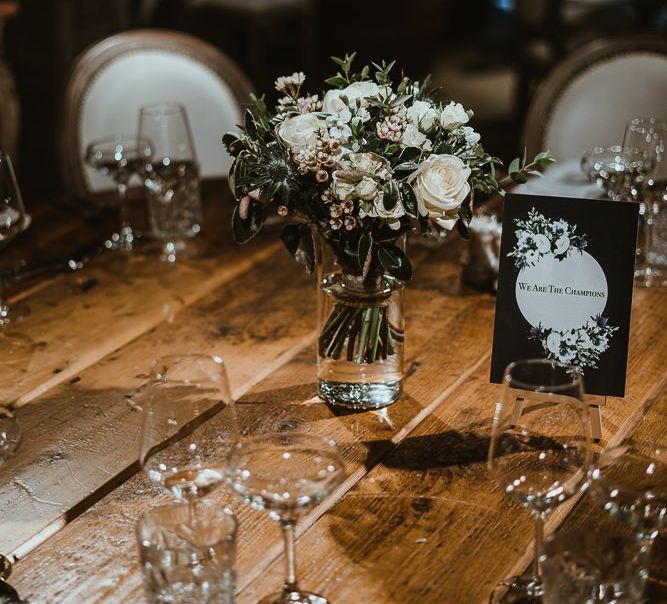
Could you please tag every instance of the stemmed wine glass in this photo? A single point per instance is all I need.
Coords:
(650, 135)
(540, 450)
(190, 425)
(285, 473)
(171, 178)
(119, 158)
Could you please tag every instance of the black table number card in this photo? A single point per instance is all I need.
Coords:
(565, 287)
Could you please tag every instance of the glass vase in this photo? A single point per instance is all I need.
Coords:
(360, 334)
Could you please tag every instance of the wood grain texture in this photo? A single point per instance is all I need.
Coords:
(284, 401)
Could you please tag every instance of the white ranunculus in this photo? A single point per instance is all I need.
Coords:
(377, 210)
(472, 137)
(441, 185)
(412, 137)
(366, 189)
(562, 244)
(542, 242)
(453, 116)
(553, 342)
(422, 115)
(300, 131)
(334, 104)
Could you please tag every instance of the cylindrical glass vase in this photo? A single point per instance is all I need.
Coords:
(360, 335)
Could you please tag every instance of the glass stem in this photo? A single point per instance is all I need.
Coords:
(121, 187)
(290, 584)
(539, 539)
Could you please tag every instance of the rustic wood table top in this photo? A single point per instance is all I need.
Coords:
(418, 518)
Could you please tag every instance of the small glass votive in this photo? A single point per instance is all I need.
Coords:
(595, 567)
(187, 553)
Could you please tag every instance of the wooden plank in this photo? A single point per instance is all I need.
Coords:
(283, 400)
(83, 317)
(427, 524)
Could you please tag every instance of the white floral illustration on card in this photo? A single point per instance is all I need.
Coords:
(541, 243)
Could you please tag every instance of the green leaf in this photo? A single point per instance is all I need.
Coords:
(411, 154)
(337, 81)
(291, 236)
(409, 200)
(307, 248)
(462, 228)
(249, 124)
(407, 166)
(399, 100)
(365, 252)
(395, 262)
(514, 166)
(391, 194)
(245, 230)
(232, 143)
(260, 104)
(519, 177)
(338, 61)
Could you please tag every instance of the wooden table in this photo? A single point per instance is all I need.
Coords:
(418, 518)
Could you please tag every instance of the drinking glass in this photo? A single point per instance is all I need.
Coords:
(13, 220)
(119, 158)
(185, 562)
(171, 177)
(284, 474)
(190, 425)
(650, 135)
(619, 171)
(540, 450)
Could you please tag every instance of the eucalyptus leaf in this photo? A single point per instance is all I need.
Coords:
(245, 230)
(395, 262)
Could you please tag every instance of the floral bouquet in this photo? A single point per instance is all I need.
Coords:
(369, 161)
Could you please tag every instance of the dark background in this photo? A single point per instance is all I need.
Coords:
(488, 54)
(612, 243)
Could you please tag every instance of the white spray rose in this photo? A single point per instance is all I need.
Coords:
(453, 116)
(377, 210)
(441, 185)
(472, 137)
(412, 137)
(300, 131)
(366, 189)
(334, 104)
(423, 115)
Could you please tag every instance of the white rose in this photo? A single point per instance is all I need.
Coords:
(472, 137)
(334, 104)
(553, 342)
(300, 131)
(453, 116)
(366, 189)
(412, 137)
(542, 242)
(562, 244)
(422, 115)
(378, 210)
(441, 185)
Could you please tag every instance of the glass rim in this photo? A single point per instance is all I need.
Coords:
(162, 109)
(330, 443)
(221, 511)
(575, 381)
(115, 138)
(641, 124)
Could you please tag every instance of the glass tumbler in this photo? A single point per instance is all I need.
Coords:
(186, 559)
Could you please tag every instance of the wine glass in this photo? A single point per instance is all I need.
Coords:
(190, 425)
(285, 473)
(119, 158)
(619, 171)
(540, 450)
(629, 482)
(171, 178)
(650, 135)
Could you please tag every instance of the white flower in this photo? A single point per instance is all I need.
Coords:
(561, 225)
(366, 189)
(340, 131)
(562, 245)
(377, 210)
(422, 115)
(300, 131)
(585, 340)
(570, 338)
(472, 137)
(412, 137)
(601, 345)
(531, 257)
(453, 116)
(441, 185)
(566, 356)
(294, 80)
(522, 236)
(370, 163)
(542, 242)
(553, 342)
(335, 105)
(360, 117)
(343, 189)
